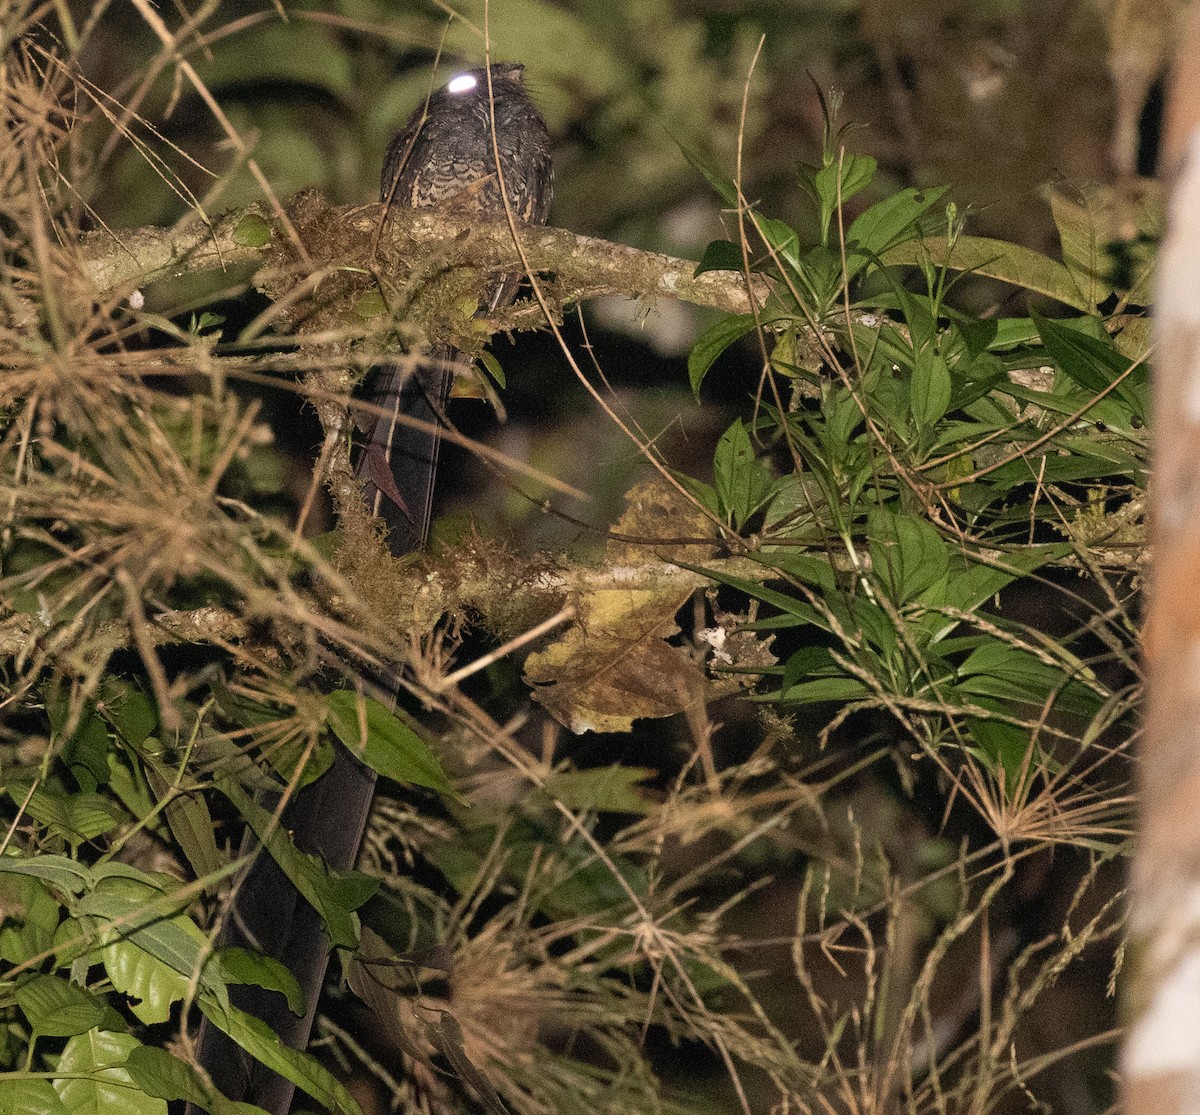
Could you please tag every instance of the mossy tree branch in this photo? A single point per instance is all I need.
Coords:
(350, 237)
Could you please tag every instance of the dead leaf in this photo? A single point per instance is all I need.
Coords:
(614, 665)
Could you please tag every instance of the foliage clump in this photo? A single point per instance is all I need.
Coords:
(861, 690)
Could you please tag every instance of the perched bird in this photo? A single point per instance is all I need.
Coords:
(445, 154)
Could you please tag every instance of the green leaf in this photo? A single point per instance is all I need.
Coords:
(1090, 227)
(968, 589)
(602, 790)
(742, 481)
(874, 624)
(163, 1076)
(58, 1009)
(840, 689)
(95, 1081)
(1004, 745)
(285, 756)
(132, 714)
(1092, 363)
(384, 742)
(86, 752)
(811, 569)
(782, 238)
(720, 255)
(853, 172)
(908, 555)
(137, 912)
(333, 896)
(242, 966)
(241, 709)
(858, 171)
(59, 871)
(889, 221)
(157, 1073)
(929, 388)
(254, 1036)
(994, 259)
(189, 820)
(822, 281)
(492, 367)
(31, 917)
(150, 985)
(1084, 247)
(804, 663)
(252, 231)
(790, 512)
(1011, 332)
(723, 185)
(1016, 676)
(767, 595)
(714, 341)
(77, 818)
(706, 494)
(128, 785)
(29, 1097)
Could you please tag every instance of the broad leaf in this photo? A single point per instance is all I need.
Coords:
(57, 1008)
(263, 1044)
(384, 742)
(714, 341)
(95, 1080)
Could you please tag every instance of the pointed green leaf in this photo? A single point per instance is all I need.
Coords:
(316, 883)
(929, 389)
(384, 742)
(132, 714)
(720, 255)
(1093, 363)
(263, 1044)
(907, 553)
(151, 987)
(820, 690)
(242, 966)
(742, 481)
(147, 918)
(890, 220)
(31, 917)
(714, 341)
(611, 789)
(77, 818)
(189, 821)
(29, 1097)
(95, 1081)
(723, 185)
(59, 871)
(1004, 745)
(58, 1009)
(995, 259)
(165, 1077)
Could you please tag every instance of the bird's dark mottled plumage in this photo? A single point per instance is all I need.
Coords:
(446, 149)
(444, 152)
(445, 155)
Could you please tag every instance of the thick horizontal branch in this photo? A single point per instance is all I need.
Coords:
(20, 631)
(346, 236)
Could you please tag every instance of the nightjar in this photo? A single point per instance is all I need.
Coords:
(445, 154)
